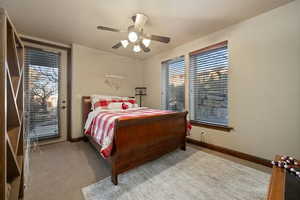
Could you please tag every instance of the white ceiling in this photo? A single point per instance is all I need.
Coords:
(75, 21)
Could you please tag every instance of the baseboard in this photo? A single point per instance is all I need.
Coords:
(231, 152)
(224, 150)
(77, 139)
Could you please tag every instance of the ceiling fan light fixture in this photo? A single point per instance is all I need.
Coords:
(132, 36)
(146, 42)
(124, 43)
(136, 35)
(136, 48)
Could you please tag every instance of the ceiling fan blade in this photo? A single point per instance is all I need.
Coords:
(104, 28)
(160, 38)
(145, 49)
(116, 46)
(139, 21)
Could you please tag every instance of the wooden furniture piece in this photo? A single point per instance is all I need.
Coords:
(11, 109)
(139, 140)
(280, 187)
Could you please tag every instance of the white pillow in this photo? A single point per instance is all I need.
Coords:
(115, 106)
(135, 105)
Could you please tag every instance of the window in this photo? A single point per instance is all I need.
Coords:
(173, 73)
(208, 85)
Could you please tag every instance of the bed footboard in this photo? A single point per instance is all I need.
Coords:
(140, 140)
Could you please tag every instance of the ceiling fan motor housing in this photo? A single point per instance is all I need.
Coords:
(139, 21)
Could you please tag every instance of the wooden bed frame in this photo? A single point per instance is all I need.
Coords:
(137, 141)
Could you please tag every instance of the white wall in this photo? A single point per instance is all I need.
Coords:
(264, 85)
(89, 68)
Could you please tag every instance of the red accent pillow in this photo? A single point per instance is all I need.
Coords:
(124, 106)
(132, 101)
(102, 103)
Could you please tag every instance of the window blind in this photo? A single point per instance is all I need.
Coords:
(41, 80)
(208, 85)
(173, 84)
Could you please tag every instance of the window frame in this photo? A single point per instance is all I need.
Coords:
(210, 125)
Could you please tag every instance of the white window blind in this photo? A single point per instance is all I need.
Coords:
(208, 85)
(41, 80)
(173, 76)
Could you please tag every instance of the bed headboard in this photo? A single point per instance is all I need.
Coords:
(86, 108)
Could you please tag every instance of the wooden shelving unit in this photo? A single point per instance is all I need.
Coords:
(11, 111)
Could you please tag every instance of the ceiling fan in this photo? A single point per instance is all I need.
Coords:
(136, 35)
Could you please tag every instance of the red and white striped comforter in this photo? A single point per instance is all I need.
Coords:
(101, 126)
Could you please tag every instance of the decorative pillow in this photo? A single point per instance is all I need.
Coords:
(125, 106)
(132, 101)
(102, 104)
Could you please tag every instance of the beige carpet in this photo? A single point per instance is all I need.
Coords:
(192, 174)
(59, 171)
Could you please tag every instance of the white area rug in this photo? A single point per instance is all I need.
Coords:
(184, 175)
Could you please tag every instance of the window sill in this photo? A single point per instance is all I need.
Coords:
(212, 126)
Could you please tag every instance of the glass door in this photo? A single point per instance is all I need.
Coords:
(45, 90)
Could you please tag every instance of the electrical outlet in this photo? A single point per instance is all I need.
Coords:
(202, 136)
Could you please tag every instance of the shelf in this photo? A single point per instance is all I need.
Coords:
(19, 98)
(14, 135)
(15, 82)
(20, 149)
(18, 39)
(20, 85)
(19, 51)
(22, 186)
(13, 170)
(20, 160)
(13, 118)
(15, 47)
(12, 58)
(8, 190)
(11, 136)
(15, 187)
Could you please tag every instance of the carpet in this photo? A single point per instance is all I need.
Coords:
(184, 175)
